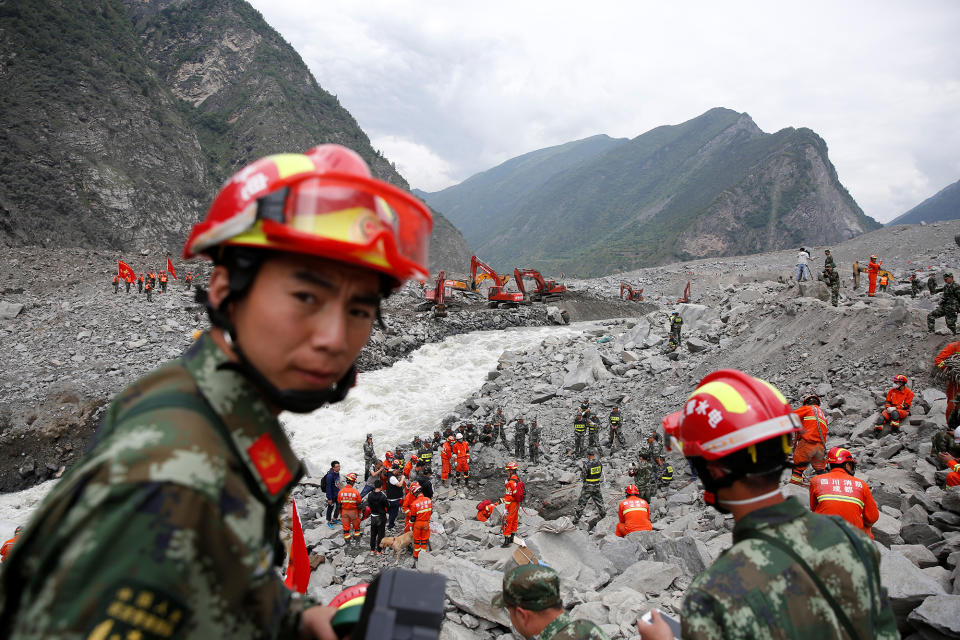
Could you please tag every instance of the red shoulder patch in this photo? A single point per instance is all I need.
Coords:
(269, 463)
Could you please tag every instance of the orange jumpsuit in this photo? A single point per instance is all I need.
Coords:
(7, 548)
(422, 509)
(407, 468)
(873, 268)
(446, 452)
(509, 500)
(349, 499)
(899, 400)
(953, 478)
(483, 513)
(837, 493)
(952, 387)
(634, 515)
(810, 446)
(462, 451)
(405, 506)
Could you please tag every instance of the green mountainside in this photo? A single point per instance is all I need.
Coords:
(943, 205)
(714, 185)
(121, 118)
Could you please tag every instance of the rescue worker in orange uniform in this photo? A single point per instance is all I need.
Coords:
(953, 478)
(163, 282)
(810, 444)
(349, 501)
(511, 501)
(839, 493)
(422, 509)
(407, 504)
(896, 408)
(634, 513)
(388, 459)
(461, 449)
(411, 463)
(484, 509)
(953, 387)
(446, 452)
(883, 282)
(116, 284)
(8, 545)
(873, 268)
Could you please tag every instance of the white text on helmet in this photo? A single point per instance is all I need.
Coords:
(254, 184)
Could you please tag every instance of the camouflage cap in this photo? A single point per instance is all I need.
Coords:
(531, 586)
(947, 274)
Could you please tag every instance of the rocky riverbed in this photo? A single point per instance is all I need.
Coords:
(745, 313)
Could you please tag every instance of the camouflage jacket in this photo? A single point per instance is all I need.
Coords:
(654, 450)
(756, 590)
(951, 295)
(831, 279)
(829, 262)
(645, 475)
(563, 628)
(169, 526)
(535, 435)
(943, 441)
(368, 452)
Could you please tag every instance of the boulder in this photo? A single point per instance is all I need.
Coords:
(625, 606)
(919, 533)
(697, 315)
(453, 631)
(574, 557)
(620, 551)
(588, 370)
(696, 345)
(637, 334)
(469, 586)
(646, 576)
(813, 289)
(937, 617)
(10, 310)
(907, 586)
(951, 500)
(917, 554)
(555, 316)
(687, 552)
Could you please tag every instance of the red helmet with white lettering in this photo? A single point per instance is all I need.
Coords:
(632, 490)
(351, 477)
(839, 455)
(511, 466)
(323, 202)
(900, 379)
(415, 487)
(729, 411)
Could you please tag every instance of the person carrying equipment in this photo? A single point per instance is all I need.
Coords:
(839, 493)
(461, 449)
(810, 444)
(422, 508)
(616, 434)
(446, 453)
(511, 501)
(873, 268)
(592, 475)
(634, 513)
(949, 305)
(896, 407)
(819, 577)
(349, 501)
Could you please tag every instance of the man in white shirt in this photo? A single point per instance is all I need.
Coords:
(803, 273)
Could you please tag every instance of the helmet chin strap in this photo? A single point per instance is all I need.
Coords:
(293, 400)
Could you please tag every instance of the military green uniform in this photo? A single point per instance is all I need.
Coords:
(616, 431)
(499, 430)
(676, 324)
(756, 589)
(486, 434)
(654, 450)
(949, 306)
(593, 429)
(943, 442)
(519, 436)
(592, 474)
(563, 627)
(369, 457)
(914, 286)
(832, 279)
(579, 429)
(828, 262)
(535, 432)
(169, 526)
(932, 284)
(645, 477)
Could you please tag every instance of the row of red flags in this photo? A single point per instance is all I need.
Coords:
(126, 272)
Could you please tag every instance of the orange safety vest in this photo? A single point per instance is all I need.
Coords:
(883, 280)
(837, 493)
(7, 548)
(349, 498)
(814, 423)
(634, 514)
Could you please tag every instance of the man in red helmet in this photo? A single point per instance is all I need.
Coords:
(171, 522)
(788, 569)
(634, 513)
(839, 493)
(511, 501)
(810, 444)
(422, 509)
(446, 453)
(349, 500)
(895, 408)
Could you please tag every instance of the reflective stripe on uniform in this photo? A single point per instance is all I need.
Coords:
(839, 498)
(625, 511)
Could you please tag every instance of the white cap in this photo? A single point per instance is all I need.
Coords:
(956, 434)
(459, 436)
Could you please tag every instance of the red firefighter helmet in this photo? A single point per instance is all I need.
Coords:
(729, 411)
(413, 458)
(323, 202)
(351, 477)
(388, 455)
(900, 379)
(632, 490)
(511, 466)
(839, 455)
(415, 487)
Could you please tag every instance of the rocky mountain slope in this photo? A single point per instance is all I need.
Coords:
(745, 313)
(130, 115)
(943, 205)
(715, 185)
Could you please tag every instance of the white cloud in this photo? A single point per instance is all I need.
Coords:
(450, 89)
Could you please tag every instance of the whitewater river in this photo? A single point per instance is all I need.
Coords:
(393, 404)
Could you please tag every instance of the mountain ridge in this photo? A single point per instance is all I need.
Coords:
(943, 205)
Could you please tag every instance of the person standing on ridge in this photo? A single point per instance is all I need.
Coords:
(810, 443)
(857, 270)
(116, 284)
(884, 279)
(832, 280)
(140, 284)
(932, 283)
(949, 305)
(803, 272)
(579, 429)
(163, 282)
(592, 475)
(676, 324)
(873, 268)
(788, 568)
(839, 493)
(914, 285)
(171, 522)
(896, 408)
(634, 513)
(828, 260)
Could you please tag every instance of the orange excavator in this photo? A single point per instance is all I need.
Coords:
(442, 289)
(629, 293)
(686, 293)
(496, 294)
(545, 291)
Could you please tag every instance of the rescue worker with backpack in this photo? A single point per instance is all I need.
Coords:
(810, 444)
(513, 495)
(838, 493)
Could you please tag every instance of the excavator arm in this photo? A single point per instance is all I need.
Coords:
(480, 271)
(545, 290)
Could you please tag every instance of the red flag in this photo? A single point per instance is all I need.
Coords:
(298, 568)
(124, 270)
(171, 269)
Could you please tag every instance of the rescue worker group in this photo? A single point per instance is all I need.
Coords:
(168, 527)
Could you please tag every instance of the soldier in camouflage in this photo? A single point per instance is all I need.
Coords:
(592, 475)
(499, 429)
(369, 456)
(519, 435)
(914, 285)
(828, 260)
(945, 441)
(790, 573)
(616, 432)
(593, 428)
(949, 304)
(654, 446)
(531, 595)
(932, 283)
(169, 526)
(645, 476)
(832, 279)
(534, 445)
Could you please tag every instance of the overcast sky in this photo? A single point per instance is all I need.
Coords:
(448, 89)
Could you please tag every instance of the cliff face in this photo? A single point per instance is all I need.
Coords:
(121, 118)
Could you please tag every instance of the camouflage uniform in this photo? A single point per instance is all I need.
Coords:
(832, 280)
(536, 587)
(828, 262)
(520, 434)
(756, 589)
(534, 444)
(932, 284)
(914, 286)
(369, 457)
(676, 323)
(499, 429)
(654, 450)
(646, 477)
(593, 429)
(948, 309)
(169, 526)
(616, 432)
(579, 428)
(592, 474)
(943, 442)
(486, 434)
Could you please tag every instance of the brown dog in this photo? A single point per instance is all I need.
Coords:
(398, 543)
